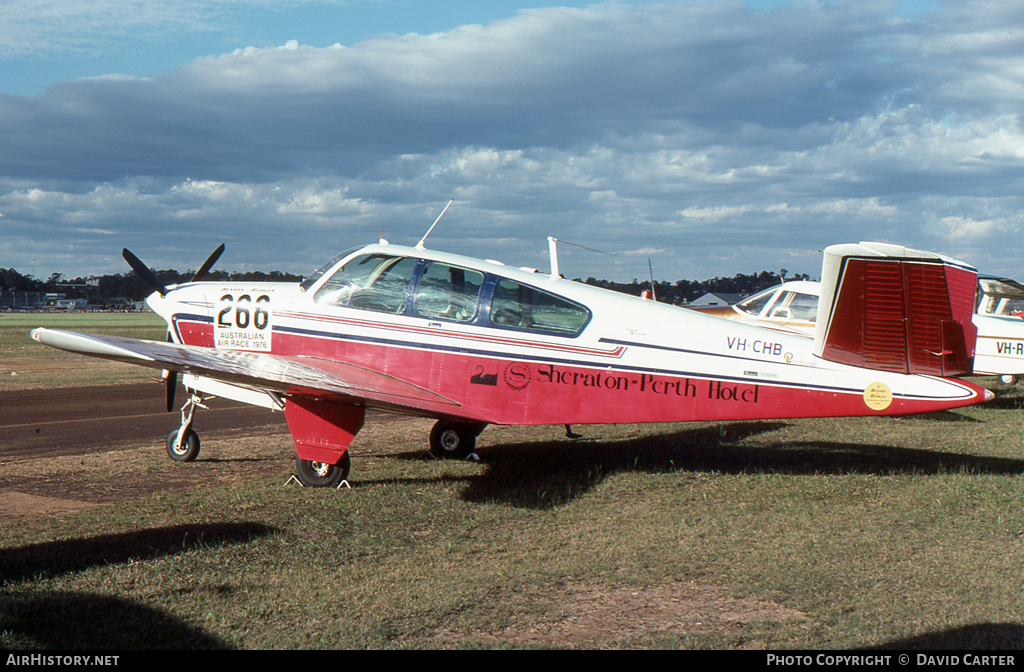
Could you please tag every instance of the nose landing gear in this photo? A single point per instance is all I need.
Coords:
(183, 443)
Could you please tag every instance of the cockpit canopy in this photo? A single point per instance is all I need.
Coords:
(437, 290)
(788, 302)
(1000, 296)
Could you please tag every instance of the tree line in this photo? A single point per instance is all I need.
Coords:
(685, 291)
(116, 287)
(110, 288)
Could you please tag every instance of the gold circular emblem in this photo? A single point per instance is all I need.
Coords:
(878, 396)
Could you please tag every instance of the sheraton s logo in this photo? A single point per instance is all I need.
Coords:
(517, 375)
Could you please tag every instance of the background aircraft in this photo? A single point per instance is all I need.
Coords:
(473, 342)
(792, 307)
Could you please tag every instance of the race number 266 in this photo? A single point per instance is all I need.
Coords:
(243, 312)
(243, 322)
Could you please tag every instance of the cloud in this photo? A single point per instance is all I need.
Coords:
(34, 28)
(554, 77)
(721, 138)
(963, 227)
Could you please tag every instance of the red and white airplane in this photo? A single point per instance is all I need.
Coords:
(472, 342)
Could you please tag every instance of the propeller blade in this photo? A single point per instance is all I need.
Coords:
(143, 271)
(208, 264)
(170, 387)
(170, 381)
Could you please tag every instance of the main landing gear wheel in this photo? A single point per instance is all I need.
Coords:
(320, 474)
(1009, 380)
(189, 448)
(453, 440)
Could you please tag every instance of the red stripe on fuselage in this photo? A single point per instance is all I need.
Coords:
(433, 332)
(503, 390)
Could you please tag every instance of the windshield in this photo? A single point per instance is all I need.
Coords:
(309, 281)
(755, 304)
(377, 282)
(1000, 297)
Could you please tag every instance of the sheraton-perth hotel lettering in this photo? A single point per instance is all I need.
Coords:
(648, 384)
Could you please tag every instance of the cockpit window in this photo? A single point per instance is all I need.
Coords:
(310, 280)
(803, 307)
(755, 304)
(377, 282)
(381, 282)
(448, 292)
(521, 306)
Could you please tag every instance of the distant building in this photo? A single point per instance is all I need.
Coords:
(55, 301)
(22, 300)
(717, 299)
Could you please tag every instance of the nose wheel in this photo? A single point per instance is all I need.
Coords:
(185, 450)
(183, 443)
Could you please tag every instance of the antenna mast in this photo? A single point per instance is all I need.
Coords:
(419, 245)
(553, 253)
(650, 268)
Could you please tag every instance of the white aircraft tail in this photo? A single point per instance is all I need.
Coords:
(890, 308)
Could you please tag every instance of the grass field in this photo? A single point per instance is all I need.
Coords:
(835, 534)
(26, 364)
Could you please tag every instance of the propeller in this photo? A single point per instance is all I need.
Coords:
(143, 271)
(170, 387)
(149, 277)
(208, 264)
(170, 378)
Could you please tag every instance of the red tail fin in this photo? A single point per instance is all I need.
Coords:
(894, 309)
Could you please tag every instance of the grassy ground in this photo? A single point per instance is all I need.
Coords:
(836, 534)
(26, 364)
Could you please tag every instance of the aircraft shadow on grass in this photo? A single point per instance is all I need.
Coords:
(553, 473)
(61, 620)
(980, 638)
(54, 558)
(76, 621)
(1004, 403)
(939, 416)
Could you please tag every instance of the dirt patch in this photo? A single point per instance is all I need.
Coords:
(63, 483)
(18, 504)
(66, 483)
(61, 370)
(593, 616)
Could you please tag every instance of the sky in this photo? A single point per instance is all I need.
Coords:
(705, 137)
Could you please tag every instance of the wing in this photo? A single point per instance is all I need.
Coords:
(305, 376)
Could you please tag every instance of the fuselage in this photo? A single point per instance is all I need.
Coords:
(514, 346)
